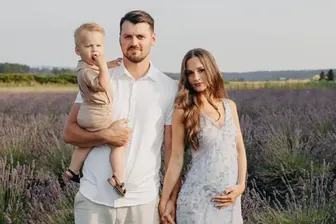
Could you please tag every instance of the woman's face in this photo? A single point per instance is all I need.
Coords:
(195, 73)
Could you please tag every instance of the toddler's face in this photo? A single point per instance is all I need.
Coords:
(89, 43)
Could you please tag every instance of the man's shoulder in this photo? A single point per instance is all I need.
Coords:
(116, 71)
(166, 80)
(113, 71)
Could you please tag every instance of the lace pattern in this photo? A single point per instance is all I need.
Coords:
(214, 168)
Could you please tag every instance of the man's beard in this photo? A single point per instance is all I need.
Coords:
(135, 58)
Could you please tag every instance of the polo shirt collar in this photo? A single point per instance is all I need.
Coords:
(151, 73)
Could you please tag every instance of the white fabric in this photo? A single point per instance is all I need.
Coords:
(214, 168)
(88, 212)
(148, 104)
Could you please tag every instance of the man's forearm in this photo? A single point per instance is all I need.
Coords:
(176, 189)
(168, 151)
(75, 135)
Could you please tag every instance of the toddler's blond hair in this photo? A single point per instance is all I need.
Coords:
(88, 27)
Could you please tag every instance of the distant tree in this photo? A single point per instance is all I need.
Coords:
(322, 76)
(40, 70)
(55, 71)
(330, 75)
(59, 71)
(13, 68)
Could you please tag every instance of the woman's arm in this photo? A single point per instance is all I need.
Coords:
(242, 161)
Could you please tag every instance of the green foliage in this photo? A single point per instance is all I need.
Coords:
(13, 68)
(322, 76)
(314, 205)
(66, 79)
(330, 75)
(61, 71)
(28, 79)
(279, 85)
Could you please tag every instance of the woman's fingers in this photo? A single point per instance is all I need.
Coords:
(222, 199)
(170, 219)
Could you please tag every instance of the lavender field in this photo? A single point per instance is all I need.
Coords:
(290, 138)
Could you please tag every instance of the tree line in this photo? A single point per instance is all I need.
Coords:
(329, 76)
(9, 68)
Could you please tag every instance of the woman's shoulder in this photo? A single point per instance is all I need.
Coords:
(231, 103)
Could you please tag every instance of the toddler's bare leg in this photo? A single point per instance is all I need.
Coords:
(117, 163)
(77, 159)
(118, 167)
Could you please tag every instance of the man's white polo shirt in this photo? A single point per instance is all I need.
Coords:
(148, 104)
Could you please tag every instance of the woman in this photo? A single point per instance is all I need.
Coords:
(205, 121)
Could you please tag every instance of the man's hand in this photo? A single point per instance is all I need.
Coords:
(118, 134)
(167, 212)
(114, 63)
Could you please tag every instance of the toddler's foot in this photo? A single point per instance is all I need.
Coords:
(118, 186)
(70, 175)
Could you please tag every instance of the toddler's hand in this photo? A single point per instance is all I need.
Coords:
(99, 59)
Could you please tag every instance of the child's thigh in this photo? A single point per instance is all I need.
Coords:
(94, 118)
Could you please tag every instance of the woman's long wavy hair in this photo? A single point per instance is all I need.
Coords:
(190, 101)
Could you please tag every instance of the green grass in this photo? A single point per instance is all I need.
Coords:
(292, 84)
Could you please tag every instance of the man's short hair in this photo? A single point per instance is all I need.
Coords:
(137, 16)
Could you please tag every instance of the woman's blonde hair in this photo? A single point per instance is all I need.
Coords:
(190, 101)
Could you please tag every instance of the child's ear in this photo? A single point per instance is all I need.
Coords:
(77, 51)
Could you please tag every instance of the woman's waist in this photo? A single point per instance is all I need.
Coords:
(214, 157)
(216, 181)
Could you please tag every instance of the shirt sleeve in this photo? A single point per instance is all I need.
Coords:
(91, 80)
(170, 110)
(79, 98)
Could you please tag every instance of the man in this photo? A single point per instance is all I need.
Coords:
(143, 101)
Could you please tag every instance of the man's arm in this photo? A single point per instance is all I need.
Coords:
(168, 140)
(117, 134)
(167, 154)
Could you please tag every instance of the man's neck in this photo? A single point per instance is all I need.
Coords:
(137, 70)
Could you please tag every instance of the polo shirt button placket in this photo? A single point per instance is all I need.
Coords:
(132, 105)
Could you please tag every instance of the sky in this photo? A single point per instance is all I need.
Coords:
(243, 35)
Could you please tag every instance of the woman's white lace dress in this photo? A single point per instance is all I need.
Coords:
(214, 168)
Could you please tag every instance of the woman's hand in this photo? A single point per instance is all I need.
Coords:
(229, 196)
